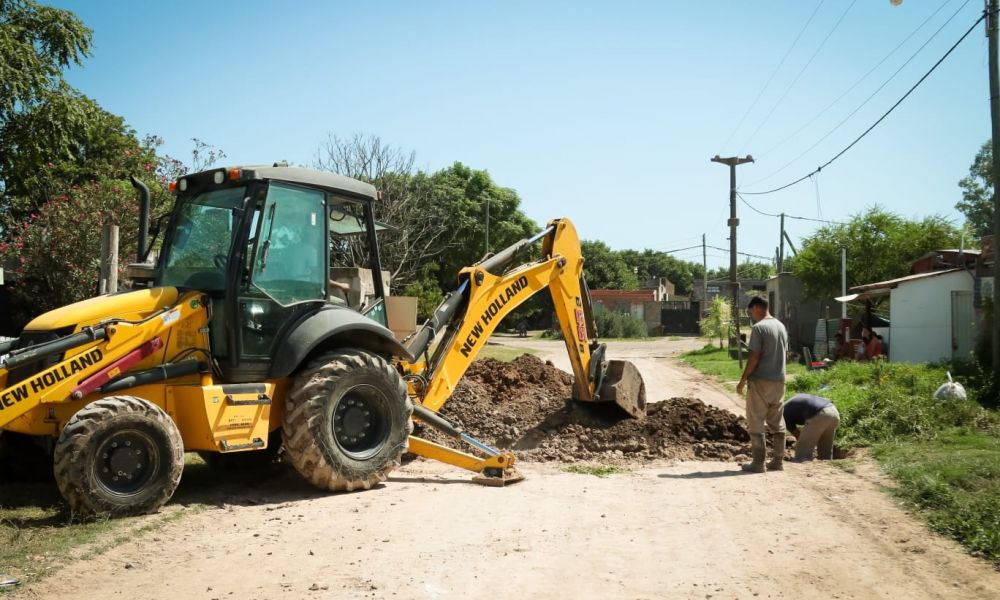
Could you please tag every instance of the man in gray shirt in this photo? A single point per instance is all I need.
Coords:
(764, 380)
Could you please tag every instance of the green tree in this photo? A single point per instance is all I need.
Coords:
(880, 246)
(977, 192)
(465, 193)
(64, 139)
(745, 270)
(53, 253)
(606, 269)
(651, 264)
(718, 320)
(36, 43)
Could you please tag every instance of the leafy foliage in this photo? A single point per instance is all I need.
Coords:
(612, 324)
(54, 252)
(464, 192)
(440, 218)
(719, 320)
(36, 43)
(65, 139)
(744, 270)
(880, 246)
(977, 192)
(606, 269)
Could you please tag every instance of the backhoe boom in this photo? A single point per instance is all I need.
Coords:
(488, 292)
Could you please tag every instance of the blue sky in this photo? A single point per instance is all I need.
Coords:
(604, 112)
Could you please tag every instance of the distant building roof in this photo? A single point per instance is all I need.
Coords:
(623, 295)
(894, 283)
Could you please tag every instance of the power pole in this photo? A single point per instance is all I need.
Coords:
(704, 279)
(733, 162)
(781, 246)
(991, 31)
(487, 227)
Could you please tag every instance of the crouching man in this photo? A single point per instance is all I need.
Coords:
(819, 420)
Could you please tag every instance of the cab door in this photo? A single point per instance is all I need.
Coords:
(286, 271)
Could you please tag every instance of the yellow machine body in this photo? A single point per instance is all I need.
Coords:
(211, 417)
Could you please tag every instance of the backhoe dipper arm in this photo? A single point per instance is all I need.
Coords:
(489, 294)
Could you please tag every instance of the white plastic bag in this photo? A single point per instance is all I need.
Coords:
(952, 390)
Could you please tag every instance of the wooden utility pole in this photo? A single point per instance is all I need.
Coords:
(704, 280)
(991, 32)
(733, 162)
(781, 245)
(109, 259)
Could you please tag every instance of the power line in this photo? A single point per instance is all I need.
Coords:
(859, 81)
(773, 73)
(787, 216)
(680, 249)
(865, 102)
(741, 253)
(880, 119)
(801, 72)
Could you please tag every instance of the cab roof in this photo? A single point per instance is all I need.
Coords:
(302, 176)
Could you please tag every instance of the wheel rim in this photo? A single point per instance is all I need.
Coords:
(361, 422)
(126, 461)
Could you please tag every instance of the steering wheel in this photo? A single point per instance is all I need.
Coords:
(220, 260)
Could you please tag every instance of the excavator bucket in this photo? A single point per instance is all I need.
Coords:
(624, 386)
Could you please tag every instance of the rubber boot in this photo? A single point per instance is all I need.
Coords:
(757, 451)
(777, 452)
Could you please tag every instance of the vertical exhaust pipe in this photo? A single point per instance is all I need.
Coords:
(142, 248)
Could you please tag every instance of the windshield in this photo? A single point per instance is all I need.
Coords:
(290, 263)
(198, 248)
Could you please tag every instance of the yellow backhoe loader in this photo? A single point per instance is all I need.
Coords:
(234, 343)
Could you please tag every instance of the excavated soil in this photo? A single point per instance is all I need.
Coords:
(525, 406)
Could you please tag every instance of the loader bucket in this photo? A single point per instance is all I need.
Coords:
(624, 386)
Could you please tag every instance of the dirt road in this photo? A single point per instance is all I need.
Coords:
(684, 530)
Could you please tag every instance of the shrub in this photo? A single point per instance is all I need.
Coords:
(619, 325)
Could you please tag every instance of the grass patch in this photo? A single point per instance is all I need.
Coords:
(503, 353)
(848, 465)
(716, 362)
(942, 456)
(38, 535)
(953, 481)
(595, 470)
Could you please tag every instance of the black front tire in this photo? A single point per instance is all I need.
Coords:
(347, 421)
(119, 456)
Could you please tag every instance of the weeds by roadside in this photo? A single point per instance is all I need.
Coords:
(595, 470)
(944, 455)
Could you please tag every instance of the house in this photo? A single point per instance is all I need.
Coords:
(932, 313)
(788, 303)
(704, 292)
(663, 287)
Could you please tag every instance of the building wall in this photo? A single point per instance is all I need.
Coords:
(921, 317)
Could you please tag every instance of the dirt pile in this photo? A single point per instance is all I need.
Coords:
(525, 406)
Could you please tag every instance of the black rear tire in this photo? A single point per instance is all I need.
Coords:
(347, 421)
(119, 456)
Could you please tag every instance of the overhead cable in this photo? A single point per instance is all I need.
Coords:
(880, 119)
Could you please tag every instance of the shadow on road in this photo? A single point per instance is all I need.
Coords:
(704, 474)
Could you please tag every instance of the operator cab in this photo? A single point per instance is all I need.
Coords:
(260, 242)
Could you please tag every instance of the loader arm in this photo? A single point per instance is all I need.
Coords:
(491, 290)
(90, 358)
